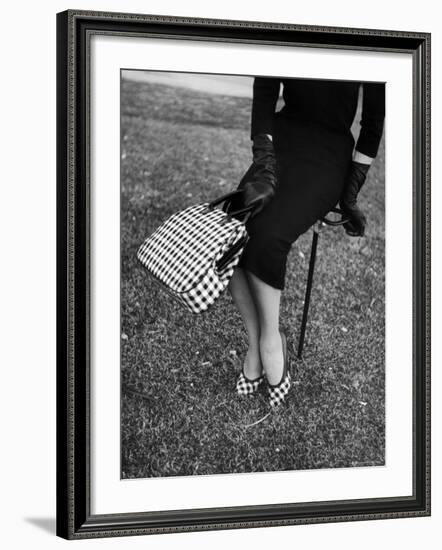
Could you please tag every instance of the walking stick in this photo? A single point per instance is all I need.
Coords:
(311, 268)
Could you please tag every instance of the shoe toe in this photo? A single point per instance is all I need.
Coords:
(246, 387)
(279, 393)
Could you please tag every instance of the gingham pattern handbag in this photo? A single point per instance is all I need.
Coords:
(194, 252)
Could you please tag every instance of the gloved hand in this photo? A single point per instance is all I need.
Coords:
(356, 176)
(259, 182)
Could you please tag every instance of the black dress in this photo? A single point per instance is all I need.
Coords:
(313, 147)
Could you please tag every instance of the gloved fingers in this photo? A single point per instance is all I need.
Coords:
(239, 203)
(249, 197)
(354, 228)
(352, 233)
(250, 194)
(235, 203)
(350, 229)
(255, 202)
(258, 207)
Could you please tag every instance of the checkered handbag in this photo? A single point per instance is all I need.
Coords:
(194, 252)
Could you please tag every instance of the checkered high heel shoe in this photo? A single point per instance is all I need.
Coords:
(245, 386)
(279, 391)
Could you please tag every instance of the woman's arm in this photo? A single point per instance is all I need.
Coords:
(265, 96)
(372, 125)
(259, 182)
(372, 120)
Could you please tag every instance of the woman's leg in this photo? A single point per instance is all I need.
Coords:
(240, 291)
(267, 300)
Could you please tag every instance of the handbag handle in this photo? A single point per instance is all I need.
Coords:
(334, 223)
(223, 198)
(246, 210)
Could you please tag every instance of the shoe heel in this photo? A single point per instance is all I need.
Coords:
(278, 392)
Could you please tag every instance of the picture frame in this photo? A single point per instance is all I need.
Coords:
(75, 518)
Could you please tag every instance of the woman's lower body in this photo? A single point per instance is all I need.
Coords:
(312, 162)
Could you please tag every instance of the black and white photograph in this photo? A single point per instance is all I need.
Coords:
(252, 242)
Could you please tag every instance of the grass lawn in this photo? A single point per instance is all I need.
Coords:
(180, 414)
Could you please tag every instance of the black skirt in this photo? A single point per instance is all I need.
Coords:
(312, 162)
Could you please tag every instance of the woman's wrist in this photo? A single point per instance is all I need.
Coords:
(361, 158)
(262, 134)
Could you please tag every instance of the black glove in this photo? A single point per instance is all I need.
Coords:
(356, 176)
(259, 182)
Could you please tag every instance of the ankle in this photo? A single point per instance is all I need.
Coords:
(252, 366)
(252, 354)
(272, 357)
(270, 342)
